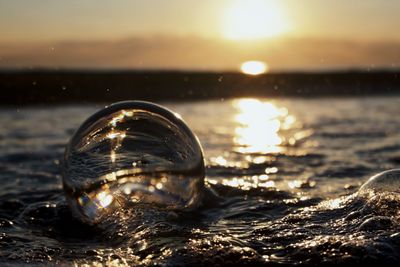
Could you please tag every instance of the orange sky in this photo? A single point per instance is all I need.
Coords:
(199, 35)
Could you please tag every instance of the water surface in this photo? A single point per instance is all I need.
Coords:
(283, 173)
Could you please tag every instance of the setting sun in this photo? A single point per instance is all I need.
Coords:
(254, 67)
(253, 19)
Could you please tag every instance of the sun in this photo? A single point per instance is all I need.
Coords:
(254, 67)
(253, 19)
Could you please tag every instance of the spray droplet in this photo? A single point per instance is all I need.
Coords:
(132, 152)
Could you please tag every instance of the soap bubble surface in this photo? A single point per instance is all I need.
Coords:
(129, 153)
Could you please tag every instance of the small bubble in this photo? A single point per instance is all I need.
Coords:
(387, 181)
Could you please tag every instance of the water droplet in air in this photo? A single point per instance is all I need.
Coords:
(132, 152)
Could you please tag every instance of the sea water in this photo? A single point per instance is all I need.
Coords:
(286, 174)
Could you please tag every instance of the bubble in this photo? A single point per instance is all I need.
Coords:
(129, 153)
(387, 181)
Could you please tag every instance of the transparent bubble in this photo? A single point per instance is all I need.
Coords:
(387, 181)
(128, 153)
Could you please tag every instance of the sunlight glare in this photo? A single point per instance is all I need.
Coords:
(253, 19)
(259, 125)
(104, 199)
(254, 67)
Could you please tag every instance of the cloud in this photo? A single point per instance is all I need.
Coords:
(195, 53)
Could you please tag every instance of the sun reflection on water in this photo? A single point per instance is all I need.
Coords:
(263, 129)
(245, 183)
(259, 123)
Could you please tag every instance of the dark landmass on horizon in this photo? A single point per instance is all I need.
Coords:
(23, 87)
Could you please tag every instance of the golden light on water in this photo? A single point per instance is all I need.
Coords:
(245, 183)
(258, 127)
(254, 67)
(253, 19)
(262, 128)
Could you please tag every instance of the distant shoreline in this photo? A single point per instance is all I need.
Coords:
(24, 87)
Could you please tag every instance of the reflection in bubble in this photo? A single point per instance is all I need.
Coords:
(132, 152)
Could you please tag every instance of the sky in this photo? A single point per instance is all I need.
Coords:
(199, 35)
